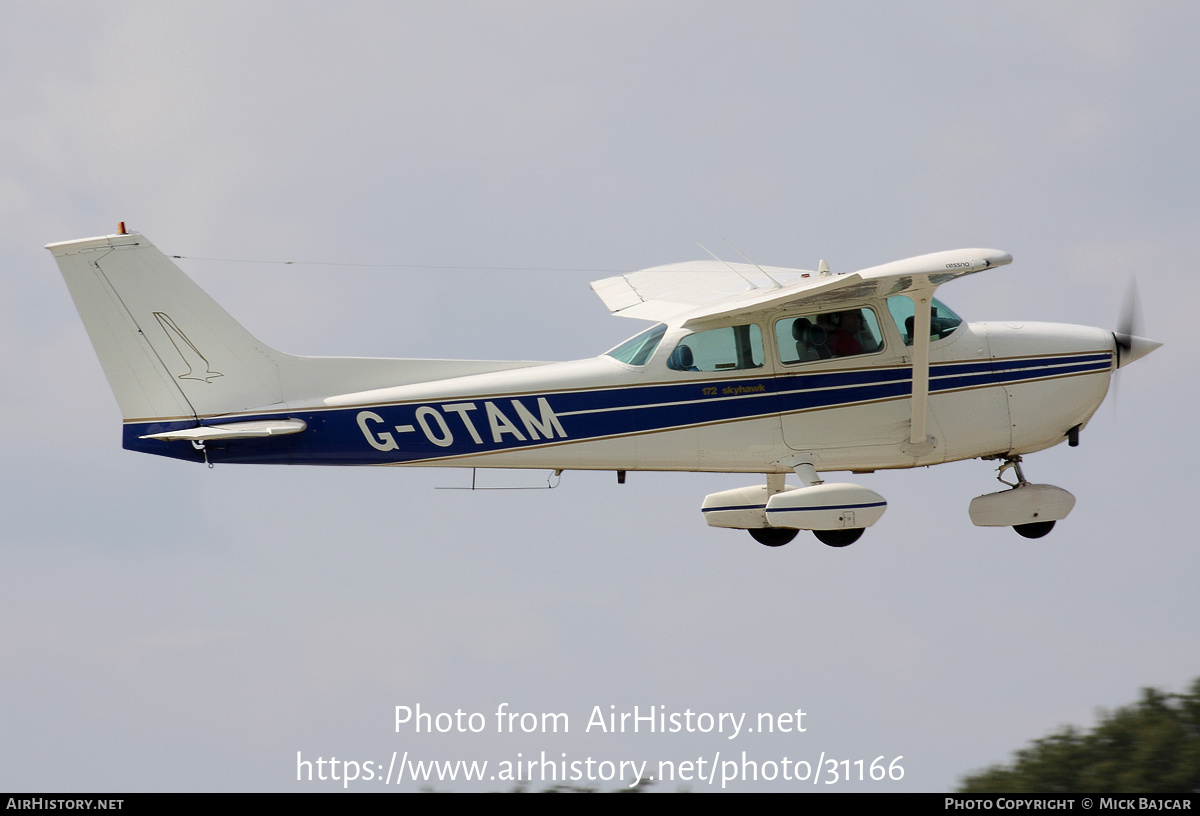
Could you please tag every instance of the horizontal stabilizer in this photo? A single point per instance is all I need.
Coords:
(234, 430)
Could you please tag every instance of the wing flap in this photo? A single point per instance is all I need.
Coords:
(665, 292)
(617, 293)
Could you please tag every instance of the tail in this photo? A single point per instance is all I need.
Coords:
(168, 350)
(172, 355)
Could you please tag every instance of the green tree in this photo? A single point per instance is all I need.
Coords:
(1150, 747)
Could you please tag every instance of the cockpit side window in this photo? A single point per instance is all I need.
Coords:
(942, 321)
(729, 349)
(847, 333)
(638, 349)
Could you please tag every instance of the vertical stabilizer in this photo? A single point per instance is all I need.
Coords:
(168, 350)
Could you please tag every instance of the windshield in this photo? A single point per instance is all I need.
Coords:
(637, 350)
(942, 321)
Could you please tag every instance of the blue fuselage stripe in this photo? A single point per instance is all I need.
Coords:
(432, 430)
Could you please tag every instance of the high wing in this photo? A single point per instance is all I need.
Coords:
(688, 294)
(692, 294)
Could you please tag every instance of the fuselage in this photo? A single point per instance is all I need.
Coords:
(995, 389)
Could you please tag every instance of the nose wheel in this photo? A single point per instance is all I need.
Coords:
(1030, 509)
(1035, 530)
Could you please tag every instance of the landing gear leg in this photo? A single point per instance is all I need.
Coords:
(1013, 462)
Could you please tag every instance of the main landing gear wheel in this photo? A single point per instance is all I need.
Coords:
(1035, 529)
(773, 536)
(844, 537)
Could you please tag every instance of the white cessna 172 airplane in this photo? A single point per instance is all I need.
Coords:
(747, 369)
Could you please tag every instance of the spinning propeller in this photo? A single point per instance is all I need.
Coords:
(1130, 346)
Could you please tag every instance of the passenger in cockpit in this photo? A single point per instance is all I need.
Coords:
(845, 338)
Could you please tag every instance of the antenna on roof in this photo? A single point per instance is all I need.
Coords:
(777, 285)
(753, 285)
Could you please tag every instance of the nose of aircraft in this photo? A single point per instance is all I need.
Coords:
(1130, 347)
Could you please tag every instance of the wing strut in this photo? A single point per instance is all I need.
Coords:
(922, 299)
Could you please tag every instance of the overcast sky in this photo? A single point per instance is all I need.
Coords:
(168, 627)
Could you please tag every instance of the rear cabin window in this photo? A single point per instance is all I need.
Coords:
(729, 349)
(828, 335)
